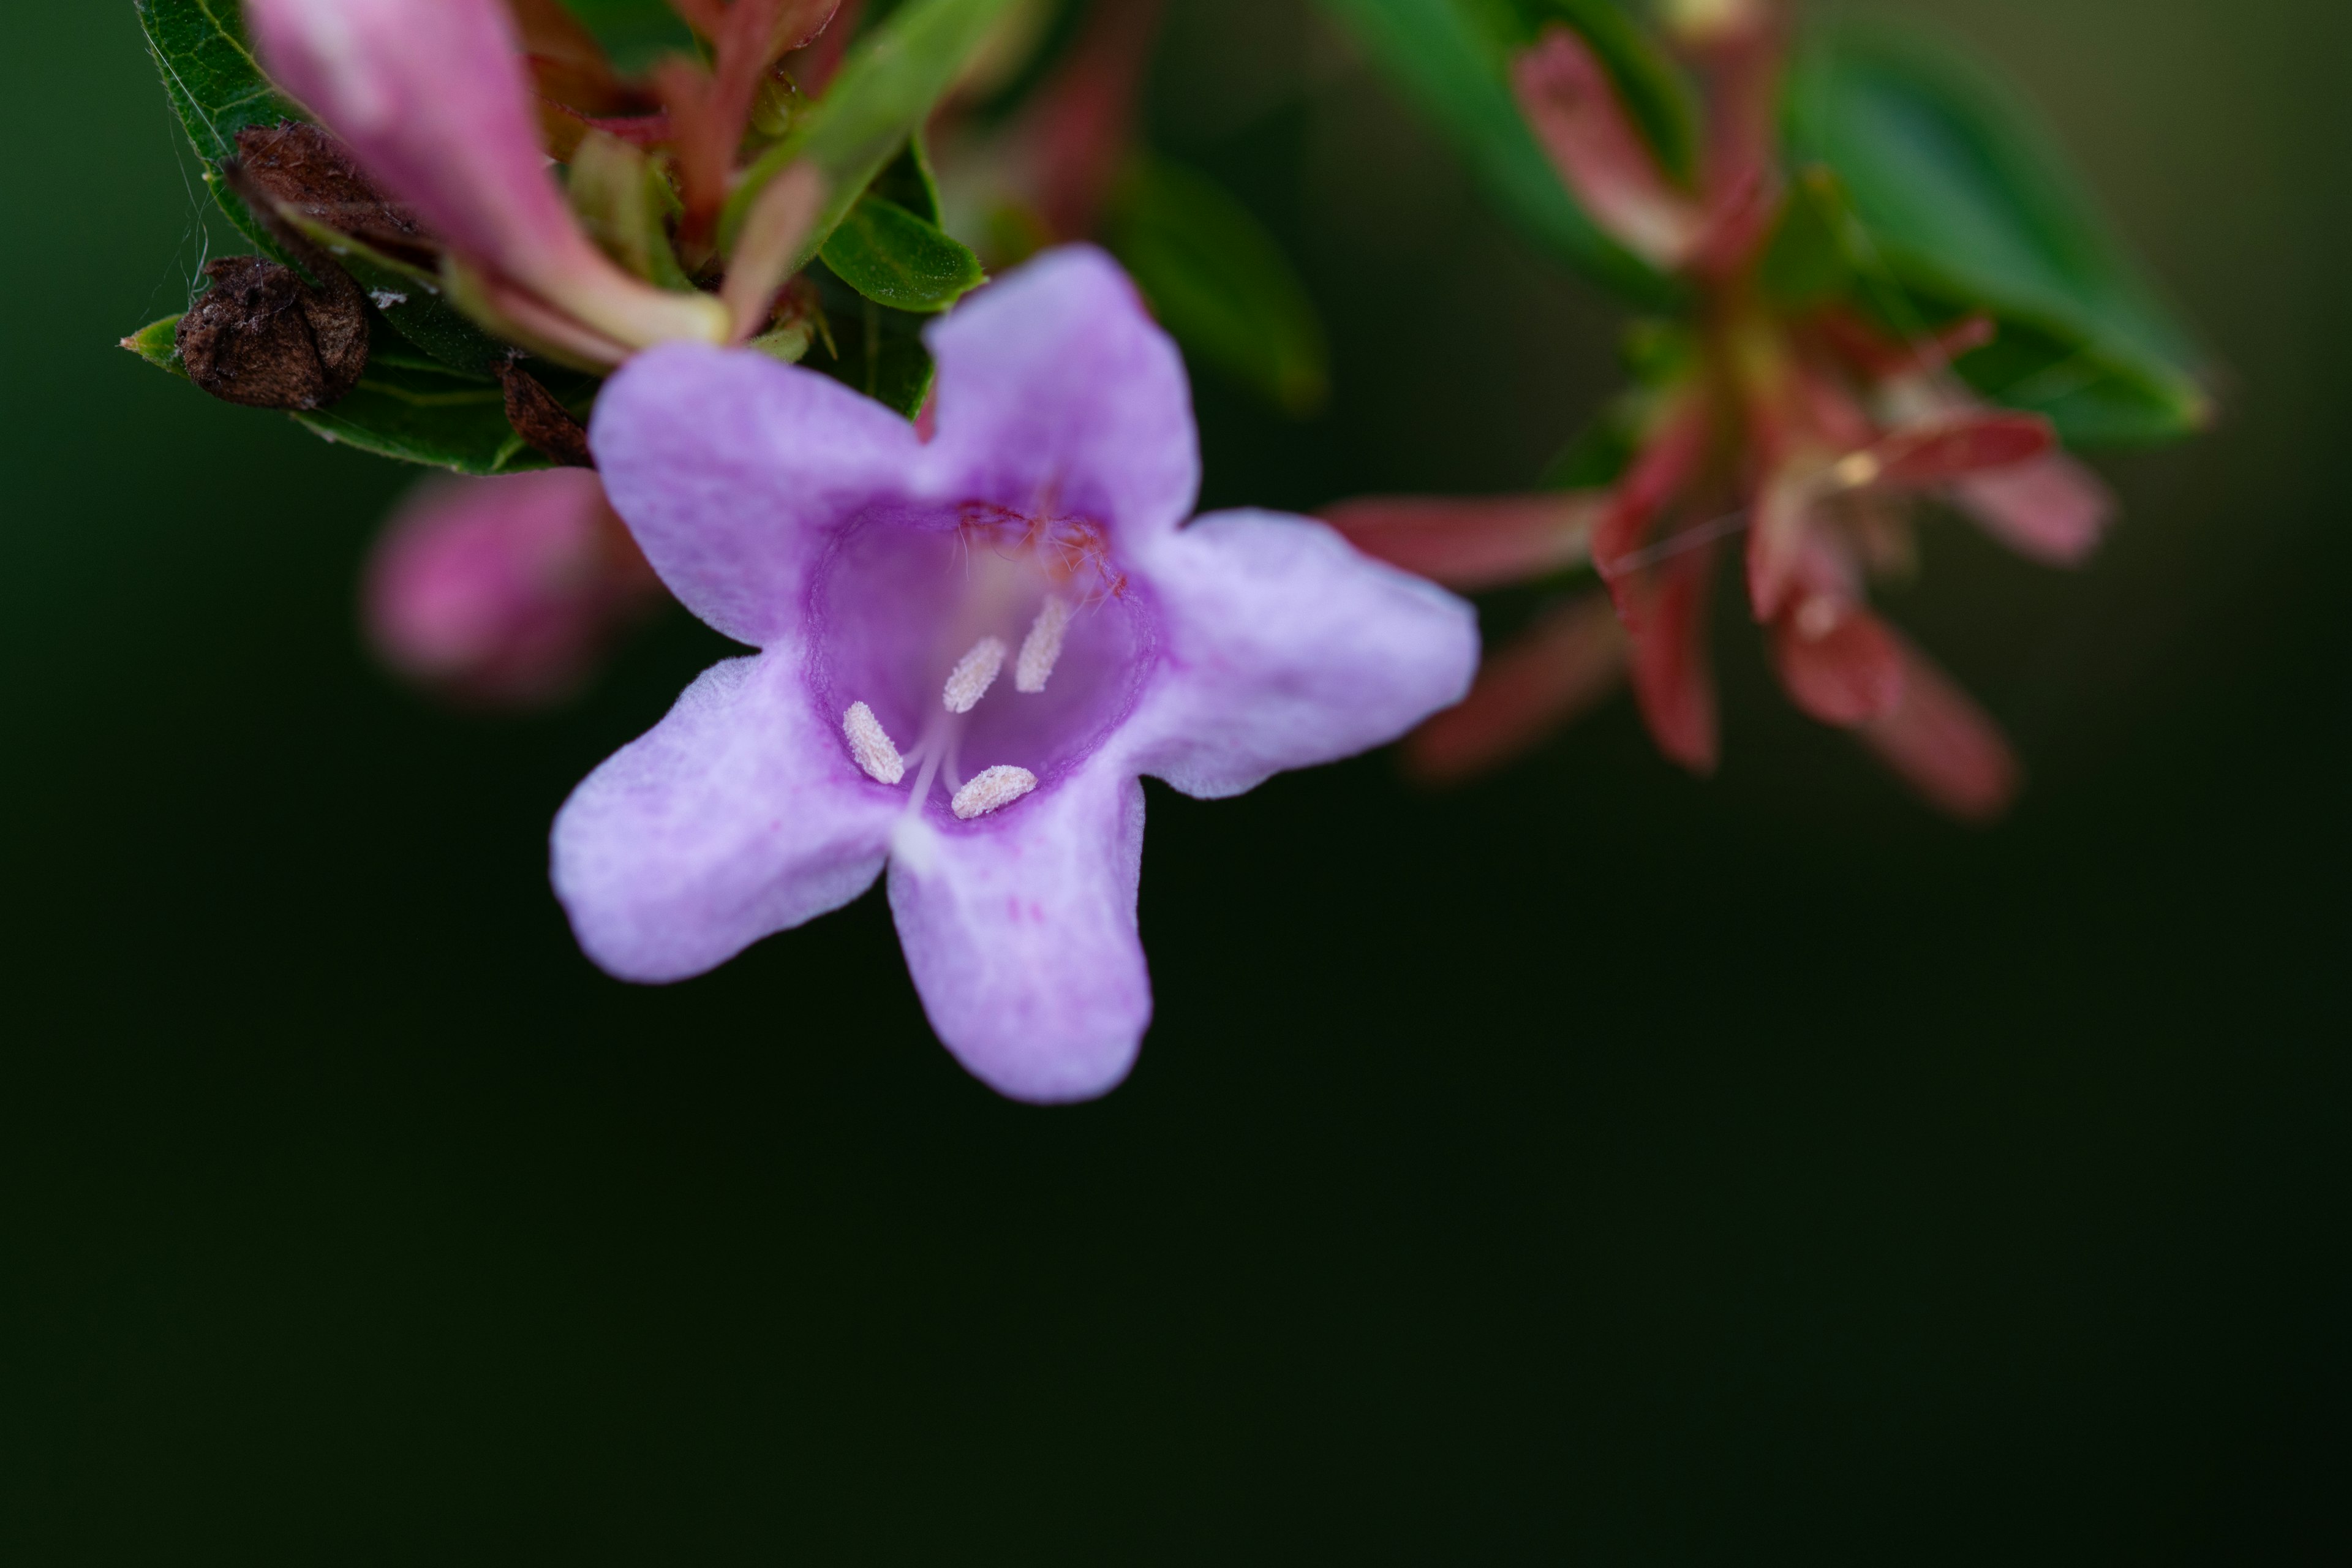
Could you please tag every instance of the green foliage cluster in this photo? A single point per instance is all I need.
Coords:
(879, 259)
(1923, 190)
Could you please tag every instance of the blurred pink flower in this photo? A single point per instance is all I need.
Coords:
(1811, 431)
(504, 591)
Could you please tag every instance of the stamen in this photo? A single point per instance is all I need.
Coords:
(999, 787)
(872, 746)
(1042, 648)
(974, 675)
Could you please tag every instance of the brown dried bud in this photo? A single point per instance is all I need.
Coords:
(261, 337)
(306, 171)
(543, 421)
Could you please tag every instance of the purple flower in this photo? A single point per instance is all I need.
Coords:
(970, 650)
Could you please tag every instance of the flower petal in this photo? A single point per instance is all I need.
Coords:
(1287, 648)
(1575, 112)
(1954, 445)
(2050, 510)
(1944, 745)
(1472, 542)
(1562, 666)
(1021, 936)
(732, 471)
(1838, 662)
(1673, 678)
(1057, 390)
(740, 815)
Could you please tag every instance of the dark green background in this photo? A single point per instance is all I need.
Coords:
(1591, 1166)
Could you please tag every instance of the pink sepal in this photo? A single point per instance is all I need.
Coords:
(1472, 542)
(2052, 510)
(1944, 745)
(1573, 109)
(1572, 660)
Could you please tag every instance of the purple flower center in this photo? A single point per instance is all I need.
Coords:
(986, 649)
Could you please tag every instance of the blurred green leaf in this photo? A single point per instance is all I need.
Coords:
(419, 412)
(633, 31)
(1219, 282)
(892, 79)
(1962, 199)
(895, 258)
(1452, 56)
(870, 347)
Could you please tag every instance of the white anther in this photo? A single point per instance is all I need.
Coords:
(974, 673)
(1042, 648)
(1818, 616)
(993, 790)
(871, 745)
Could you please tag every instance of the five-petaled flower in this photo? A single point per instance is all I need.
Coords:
(970, 649)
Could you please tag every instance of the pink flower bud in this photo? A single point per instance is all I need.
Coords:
(435, 102)
(504, 591)
(1576, 114)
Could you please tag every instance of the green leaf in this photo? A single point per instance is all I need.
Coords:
(894, 258)
(1452, 56)
(158, 344)
(1219, 283)
(633, 31)
(411, 301)
(1961, 199)
(407, 406)
(870, 347)
(909, 181)
(216, 88)
(418, 412)
(886, 89)
(216, 85)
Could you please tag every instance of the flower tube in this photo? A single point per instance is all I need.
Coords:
(434, 99)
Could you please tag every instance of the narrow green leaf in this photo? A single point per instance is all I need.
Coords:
(886, 89)
(1452, 56)
(894, 258)
(1219, 283)
(1960, 198)
(418, 412)
(158, 344)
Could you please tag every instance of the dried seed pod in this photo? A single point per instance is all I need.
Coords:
(543, 421)
(304, 169)
(262, 337)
